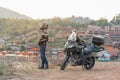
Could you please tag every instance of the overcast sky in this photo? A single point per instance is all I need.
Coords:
(38, 9)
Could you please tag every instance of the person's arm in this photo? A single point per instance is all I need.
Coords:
(44, 38)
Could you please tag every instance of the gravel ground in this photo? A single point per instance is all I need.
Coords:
(29, 71)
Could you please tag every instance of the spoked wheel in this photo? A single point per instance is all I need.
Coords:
(89, 65)
(65, 62)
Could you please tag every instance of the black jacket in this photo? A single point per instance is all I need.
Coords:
(43, 40)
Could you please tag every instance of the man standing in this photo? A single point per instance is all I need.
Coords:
(42, 44)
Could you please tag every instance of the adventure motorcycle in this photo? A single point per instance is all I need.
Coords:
(81, 53)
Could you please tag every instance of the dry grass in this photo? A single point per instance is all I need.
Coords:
(28, 71)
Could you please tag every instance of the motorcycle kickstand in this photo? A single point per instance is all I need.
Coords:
(83, 67)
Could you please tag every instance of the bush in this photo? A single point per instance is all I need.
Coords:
(1, 70)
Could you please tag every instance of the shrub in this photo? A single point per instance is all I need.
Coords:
(1, 70)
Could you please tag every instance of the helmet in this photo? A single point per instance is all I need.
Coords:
(44, 26)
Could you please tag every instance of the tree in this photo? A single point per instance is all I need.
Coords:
(116, 20)
(102, 22)
(22, 48)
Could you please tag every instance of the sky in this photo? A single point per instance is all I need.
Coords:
(37, 9)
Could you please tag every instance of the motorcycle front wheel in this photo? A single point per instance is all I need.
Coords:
(89, 65)
(65, 62)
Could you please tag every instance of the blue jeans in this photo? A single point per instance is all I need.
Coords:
(43, 56)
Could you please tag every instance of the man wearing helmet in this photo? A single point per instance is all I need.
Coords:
(42, 44)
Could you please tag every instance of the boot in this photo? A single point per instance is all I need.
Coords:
(46, 66)
(41, 67)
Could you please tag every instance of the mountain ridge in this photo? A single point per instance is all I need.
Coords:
(7, 13)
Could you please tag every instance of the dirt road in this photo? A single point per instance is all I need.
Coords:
(101, 71)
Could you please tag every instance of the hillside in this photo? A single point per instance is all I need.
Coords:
(6, 13)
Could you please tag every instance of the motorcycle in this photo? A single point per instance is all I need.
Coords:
(81, 53)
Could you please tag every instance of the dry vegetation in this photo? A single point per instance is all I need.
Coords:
(27, 70)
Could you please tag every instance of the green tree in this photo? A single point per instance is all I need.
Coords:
(102, 22)
(116, 20)
(22, 48)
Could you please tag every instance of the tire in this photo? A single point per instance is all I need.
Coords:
(89, 66)
(65, 62)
